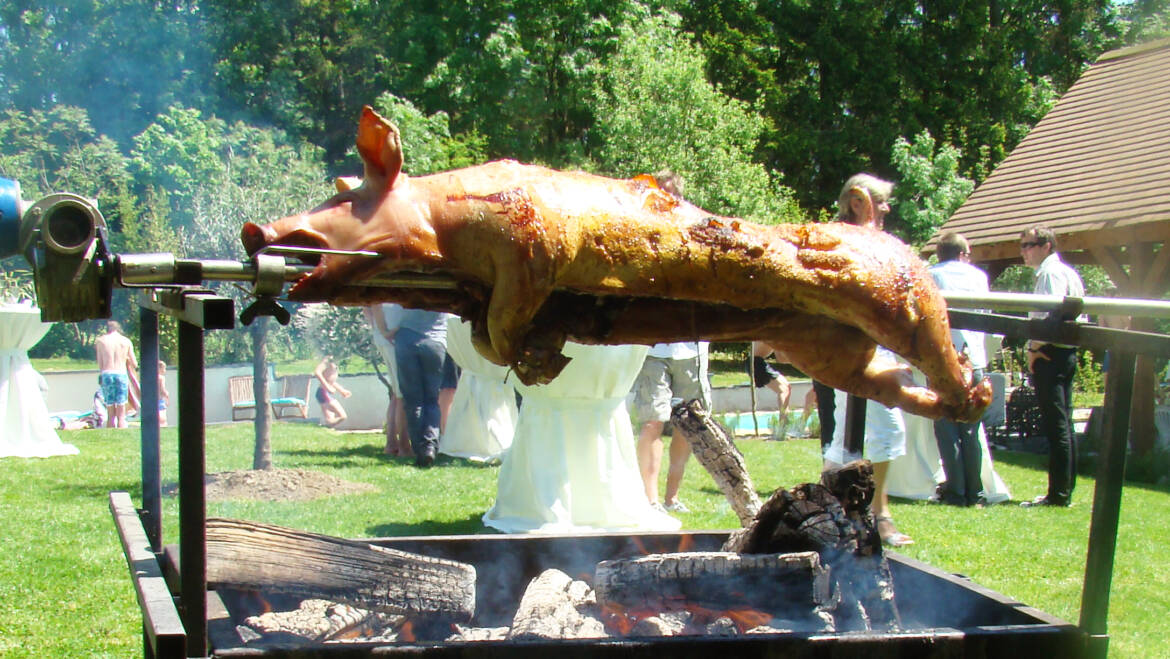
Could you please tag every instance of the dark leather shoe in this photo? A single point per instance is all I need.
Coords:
(427, 457)
(1044, 501)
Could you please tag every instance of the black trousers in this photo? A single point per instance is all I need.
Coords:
(826, 408)
(1053, 380)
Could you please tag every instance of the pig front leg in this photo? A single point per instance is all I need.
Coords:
(534, 353)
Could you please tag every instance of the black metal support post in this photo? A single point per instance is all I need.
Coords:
(151, 467)
(192, 504)
(1107, 503)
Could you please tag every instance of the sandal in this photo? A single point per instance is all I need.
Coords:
(890, 534)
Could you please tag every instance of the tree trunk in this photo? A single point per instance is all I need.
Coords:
(262, 455)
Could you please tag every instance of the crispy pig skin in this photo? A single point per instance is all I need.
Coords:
(542, 256)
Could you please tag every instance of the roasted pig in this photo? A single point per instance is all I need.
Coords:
(541, 256)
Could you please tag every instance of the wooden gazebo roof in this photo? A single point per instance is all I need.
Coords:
(1096, 169)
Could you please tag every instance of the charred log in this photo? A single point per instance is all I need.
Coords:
(781, 585)
(715, 451)
(556, 606)
(834, 520)
(248, 555)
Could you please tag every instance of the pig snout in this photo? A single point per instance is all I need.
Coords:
(253, 238)
(256, 237)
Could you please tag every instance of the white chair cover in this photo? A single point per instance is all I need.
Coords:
(483, 414)
(572, 467)
(25, 429)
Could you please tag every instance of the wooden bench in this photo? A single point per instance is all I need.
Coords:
(293, 400)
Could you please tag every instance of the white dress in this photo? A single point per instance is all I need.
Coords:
(572, 467)
(483, 413)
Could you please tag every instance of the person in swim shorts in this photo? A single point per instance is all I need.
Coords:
(115, 359)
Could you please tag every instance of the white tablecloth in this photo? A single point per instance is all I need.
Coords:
(25, 429)
(483, 414)
(572, 467)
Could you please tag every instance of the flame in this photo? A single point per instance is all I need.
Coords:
(620, 620)
(406, 632)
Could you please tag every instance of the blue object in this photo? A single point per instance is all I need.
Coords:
(9, 217)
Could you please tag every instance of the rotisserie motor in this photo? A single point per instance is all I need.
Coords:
(542, 256)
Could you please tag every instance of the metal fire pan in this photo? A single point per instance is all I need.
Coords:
(946, 615)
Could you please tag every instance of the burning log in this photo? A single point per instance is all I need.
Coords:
(749, 589)
(556, 606)
(319, 621)
(248, 555)
(834, 520)
(715, 451)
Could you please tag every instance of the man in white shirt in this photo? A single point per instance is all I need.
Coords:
(958, 443)
(1053, 367)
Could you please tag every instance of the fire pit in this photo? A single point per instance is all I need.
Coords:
(944, 615)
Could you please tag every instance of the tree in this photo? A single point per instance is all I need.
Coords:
(840, 81)
(121, 60)
(930, 188)
(257, 179)
(655, 110)
(1144, 20)
(306, 67)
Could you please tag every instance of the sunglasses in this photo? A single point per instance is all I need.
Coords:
(1025, 245)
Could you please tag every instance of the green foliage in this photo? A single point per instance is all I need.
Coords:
(203, 163)
(522, 73)
(1144, 20)
(306, 67)
(1089, 378)
(930, 187)
(840, 81)
(655, 110)
(122, 60)
(58, 150)
(16, 282)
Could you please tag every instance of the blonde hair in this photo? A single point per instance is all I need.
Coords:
(868, 187)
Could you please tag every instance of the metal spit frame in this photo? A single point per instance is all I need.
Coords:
(199, 310)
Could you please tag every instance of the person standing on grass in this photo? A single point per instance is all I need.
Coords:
(1053, 367)
(865, 201)
(420, 348)
(958, 443)
(115, 360)
(764, 375)
(330, 385)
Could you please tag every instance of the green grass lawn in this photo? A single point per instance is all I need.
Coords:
(66, 591)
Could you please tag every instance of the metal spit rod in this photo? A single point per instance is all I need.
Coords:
(157, 270)
(1106, 306)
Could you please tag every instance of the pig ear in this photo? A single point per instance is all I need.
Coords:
(380, 148)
